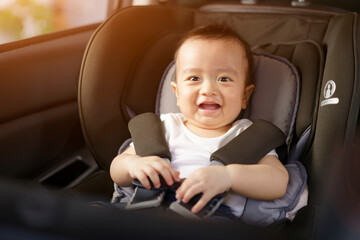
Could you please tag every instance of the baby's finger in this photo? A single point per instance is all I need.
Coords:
(168, 172)
(165, 173)
(142, 177)
(191, 192)
(153, 176)
(182, 189)
(174, 175)
(201, 203)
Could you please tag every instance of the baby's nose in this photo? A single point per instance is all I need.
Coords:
(208, 88)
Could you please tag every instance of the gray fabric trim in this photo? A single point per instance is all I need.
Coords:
(164, 91)
(130, 112)
(267, 212)
(299, 168)
(216, 163)
(297, 150)
(283, 115)
(124, 145)
(122, 194)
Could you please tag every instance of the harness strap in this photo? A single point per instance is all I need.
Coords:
(148, 136)
(149, 139)
(145, 198)
(251, 145)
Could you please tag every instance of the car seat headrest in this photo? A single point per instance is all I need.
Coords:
(275, 97)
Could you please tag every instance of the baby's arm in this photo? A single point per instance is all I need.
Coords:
(266, 180)
(128, 166)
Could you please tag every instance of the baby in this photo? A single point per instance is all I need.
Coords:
(213, 84)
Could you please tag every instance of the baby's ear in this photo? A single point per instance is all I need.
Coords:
(247, 95)
(174, 87)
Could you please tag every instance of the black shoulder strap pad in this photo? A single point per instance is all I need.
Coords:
(251, 145)
(247, 148)
(148, 136)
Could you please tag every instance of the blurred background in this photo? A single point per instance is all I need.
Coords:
(27, 18)
(21, 19)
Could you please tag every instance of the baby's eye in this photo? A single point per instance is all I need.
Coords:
(224, 79)
(195, 79)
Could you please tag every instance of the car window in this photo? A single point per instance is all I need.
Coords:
(21, 19)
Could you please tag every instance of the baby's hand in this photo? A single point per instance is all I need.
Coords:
(149, 168)
(210, 181)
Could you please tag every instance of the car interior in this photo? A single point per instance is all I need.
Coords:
(67, 98)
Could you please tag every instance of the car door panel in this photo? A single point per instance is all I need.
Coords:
(39, 122)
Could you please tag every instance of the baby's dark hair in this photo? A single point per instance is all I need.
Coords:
(214, 31)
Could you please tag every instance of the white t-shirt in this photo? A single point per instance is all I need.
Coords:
(190, 152)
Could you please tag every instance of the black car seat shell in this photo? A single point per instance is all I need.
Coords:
(129, 66)
(275, 100)
(134, 47)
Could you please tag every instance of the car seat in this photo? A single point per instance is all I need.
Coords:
(128, 54)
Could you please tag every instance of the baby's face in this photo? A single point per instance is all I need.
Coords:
(210, 84)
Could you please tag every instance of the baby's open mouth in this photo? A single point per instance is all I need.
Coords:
(209, 106)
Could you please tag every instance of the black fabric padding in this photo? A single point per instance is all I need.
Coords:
(148, 72)
(148, 136)
(308, 57)
(333, 128)
(262, 28)
(114, 60)
(251, 145)
(248, 147)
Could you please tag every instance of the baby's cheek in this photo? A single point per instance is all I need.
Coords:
(233, 105)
